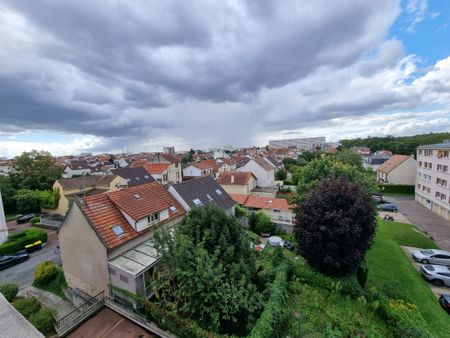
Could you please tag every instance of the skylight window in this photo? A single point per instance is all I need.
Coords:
(137, 178)
(197, 202)
(209, 197)
(137, 196)
(173, 209)
(146, 176)
(218, 192)
(117, 229)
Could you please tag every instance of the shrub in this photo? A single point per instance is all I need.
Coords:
(394, 290)
(9, 290)
(260, 223)
(45, 272)
(239, 211)
(27, 306)
(35, 220)
(43, 320)
(281, 174)
(17, 241)
(397, 189)
(362, 273)
(335, 226)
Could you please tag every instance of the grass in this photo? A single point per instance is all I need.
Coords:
(56, 285)
(10, 217)
(388, 262)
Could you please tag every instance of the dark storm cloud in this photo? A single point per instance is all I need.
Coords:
(203, 70)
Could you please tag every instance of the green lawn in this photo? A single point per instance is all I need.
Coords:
(10, 217)
(387, 262)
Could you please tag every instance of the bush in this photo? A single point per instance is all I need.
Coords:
(9, 290)
(27, 306)
(35, 220)
(394, 290)
(17, 241)
(397, 189)
(239, 211)
(43, 320)
(260, 223)
(362, 273)
(45, 272)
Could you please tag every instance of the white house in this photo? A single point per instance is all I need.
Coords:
(399, 169)
(262, 169)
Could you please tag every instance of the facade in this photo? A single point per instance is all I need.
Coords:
(263, 171)
(106, 240)
(202, 191)
(76, 168)
(311, 143)
(176, 174)
(164, 173)
(399, 169)
(192, 171)
(433, 178)
(237, 182)
(278, 209)
(79, 187)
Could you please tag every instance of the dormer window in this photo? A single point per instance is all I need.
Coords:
(137, 196)
(197, 202)
(137, 178)
(209, 197)
(173, 209)
(153, 217)
(146, 177)
(218, 192)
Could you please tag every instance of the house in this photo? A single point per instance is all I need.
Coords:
(237, 182)
(133, 175)
(376, 160)
(202, 191)
(433, 178)
(76, 168)
(263, 171)
(164, 173)
(278, 209)
(175, 172)
(79, 187)
(106, 240)
(399, 169)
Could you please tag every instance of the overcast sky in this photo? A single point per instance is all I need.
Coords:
(100, 76)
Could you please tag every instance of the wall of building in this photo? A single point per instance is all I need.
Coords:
(405, 173)
(236, 189)
(192, 171)
(263, 178)
(83, 254)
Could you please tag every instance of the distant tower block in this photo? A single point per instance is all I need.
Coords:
(3, 228)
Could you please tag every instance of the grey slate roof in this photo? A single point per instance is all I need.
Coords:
(134, 175)
(200, 188)
(435, 146)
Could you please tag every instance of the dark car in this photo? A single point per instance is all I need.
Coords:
(25, 218)
(444, 300)
(379, 199)
(10, 260)
(387, 207)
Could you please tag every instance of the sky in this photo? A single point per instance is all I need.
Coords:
(110, 76)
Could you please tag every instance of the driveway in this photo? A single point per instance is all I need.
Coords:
(427, 221)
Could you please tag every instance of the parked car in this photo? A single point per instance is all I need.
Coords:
(379, 199)
(25, 218)
(444, 300)
(431, 256)
(387, 207)
(439, 275)
(10, 260)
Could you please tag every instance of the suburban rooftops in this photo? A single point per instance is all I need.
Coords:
(260, 202)
(392, 163)
(86, 181)
(237, 178)
(134, 175)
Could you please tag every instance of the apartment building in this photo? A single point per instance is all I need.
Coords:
(433, 178)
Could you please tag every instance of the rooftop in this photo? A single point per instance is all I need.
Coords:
(392, 163)
(156, 168)
(444, 145)
(86, 181)
(134, 175)
(259, 202)
(236, 178)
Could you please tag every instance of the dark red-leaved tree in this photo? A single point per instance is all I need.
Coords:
(335, 226)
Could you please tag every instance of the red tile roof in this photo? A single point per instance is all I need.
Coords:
(156, 168)
(138, 163)
(104, 210)
(207, 164)
(259, 202)
(239, 177)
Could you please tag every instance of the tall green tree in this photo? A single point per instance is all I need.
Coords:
(8, 194)
(349, 156)
(209, 268)
(35, 170)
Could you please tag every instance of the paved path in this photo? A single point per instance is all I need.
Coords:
(50, 300)
(427, 221)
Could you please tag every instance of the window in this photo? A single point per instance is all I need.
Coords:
(197, 202)
(209, 197)
(153, 217)
(445, 168)
(420, 152)
(137, 178)
(438, 181)
(146, 177)
(112, 271)
(218, 192)
(178, 175)
(165, 177)
(124, 279)
(428, 190)
(173, 209)
(445, 153)
(277, 211)
(117, 229)
(428, 152)
(444, 183)
(443, 197)
(137, 196)
(420, 163)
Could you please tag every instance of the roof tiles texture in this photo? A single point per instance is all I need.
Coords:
(235, 178)
(259, 202)
(156, 168)
(86, 181)
(392, 163)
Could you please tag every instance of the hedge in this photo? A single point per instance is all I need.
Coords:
(17, 241)
(397, 189)
(9, 290)
(275, 315)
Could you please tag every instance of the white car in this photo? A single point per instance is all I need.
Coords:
(431, 256)
(437, 274)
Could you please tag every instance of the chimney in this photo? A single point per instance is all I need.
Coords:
(232, 178)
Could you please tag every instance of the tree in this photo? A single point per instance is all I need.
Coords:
(308, 156)
(8, 194)
(281, 174)
(335, 226)
(35, 200)
(260, 223)
(209, 268)
(311, 174)
(35, 170)
(351, 157)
